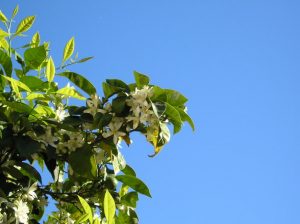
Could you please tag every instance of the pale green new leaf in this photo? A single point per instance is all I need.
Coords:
(18, 83)
(3, 17)
(86, 207)
(3, 34)
(36, 39)
(69, 49)
(15, 12)
(4, 44)
(50, 70)
(109, 207)
(70, 92)
(25, 25)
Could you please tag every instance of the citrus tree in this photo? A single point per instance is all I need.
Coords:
(78, 144)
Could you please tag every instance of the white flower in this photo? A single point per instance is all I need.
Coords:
(75, 141)
(93, 104)
(21, 212)
(135, 121)
(30, 192)
(114, 127)
(61, 113)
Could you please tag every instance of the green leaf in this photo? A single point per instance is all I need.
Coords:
(158, 94)
(19, 107)
(185, 117)
(15, 12)
(50, 70)
(6, 63)
(71, 92)
(82, 218)
(26, 146)
(80, 82)
(140, 79)
(30, 172)
(32, 82)
(25, 25)
(3, 17)
(129, 171)
(83, 162)
(35, 41)
(34, 57)
(175, 98)
(4, 44)
(118, 84)
(87, 209)
(130, 199)
(18, 83)
(118, 104)
(109, 207)
(174, 116)
(84, 59)
(135, 183)
(69, 49)
(3, 34)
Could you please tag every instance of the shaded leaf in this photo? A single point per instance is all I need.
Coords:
(83, 162)
(185, 117)
(26, 146)
(6, 63)
(30, 172)
(174, 117)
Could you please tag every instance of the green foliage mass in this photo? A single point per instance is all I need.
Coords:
(79, 145)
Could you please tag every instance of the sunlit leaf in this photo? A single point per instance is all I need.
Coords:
(69, 49)
(3, 34)
(70, 92)
(35, 41)
(86, 207)
(135, 183)
(34, 57)
(15, 12)
(25, 25)
(3, 17)
(4, 44)
(109, 207)
(50, 70)
(80, 81)
(140, 79)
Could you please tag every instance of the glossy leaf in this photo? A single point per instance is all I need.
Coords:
(50, 70)
(175, 98)
(69, 49)
(25, 25)
(135, 183)
(18, 83)
(185, 117)
(109, 207)
(32, 82)
(174, 117)
(80, 82)
(34, 57)
(4, 44)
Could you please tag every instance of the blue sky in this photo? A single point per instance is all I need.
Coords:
(237, 62)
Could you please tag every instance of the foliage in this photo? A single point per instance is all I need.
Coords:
(79, 145)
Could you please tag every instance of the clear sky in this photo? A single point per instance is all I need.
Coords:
(238, 63)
